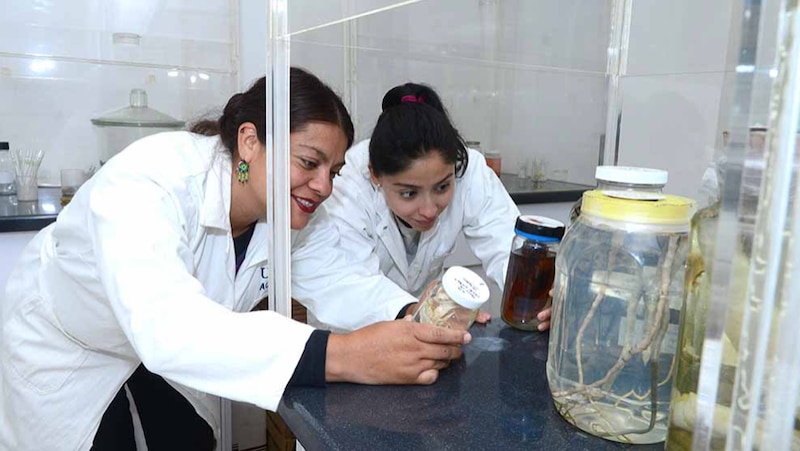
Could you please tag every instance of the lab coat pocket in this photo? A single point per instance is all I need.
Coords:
(39, 351)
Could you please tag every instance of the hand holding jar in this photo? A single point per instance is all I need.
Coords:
(453, 300)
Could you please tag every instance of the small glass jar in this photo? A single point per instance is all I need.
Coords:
(495, 161)
(531, 270)
(453, 300)
(627, 182)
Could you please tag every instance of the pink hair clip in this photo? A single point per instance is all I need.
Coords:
(410, 98)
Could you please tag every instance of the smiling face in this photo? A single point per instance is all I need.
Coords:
(419, 194)
(317, 156)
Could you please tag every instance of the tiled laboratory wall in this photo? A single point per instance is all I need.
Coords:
(537, 87)
(59, 68)
(673, 94)
(526, 78)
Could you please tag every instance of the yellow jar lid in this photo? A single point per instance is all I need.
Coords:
(669, 210)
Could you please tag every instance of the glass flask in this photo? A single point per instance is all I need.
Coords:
(645, 183)
(616, 307)
(531, 270)
(453, 300)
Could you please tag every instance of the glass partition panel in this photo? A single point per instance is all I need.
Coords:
(305, 15)
(736, 384)
(527, 79)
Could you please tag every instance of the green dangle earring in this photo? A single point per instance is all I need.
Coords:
(242, 171)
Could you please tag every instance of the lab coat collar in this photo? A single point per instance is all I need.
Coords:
(216, 207)
(257, 249)
(388, 231)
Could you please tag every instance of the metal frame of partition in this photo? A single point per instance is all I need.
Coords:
(278, 207)
(616, 68)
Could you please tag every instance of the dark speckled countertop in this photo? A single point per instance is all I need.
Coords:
(495, 398)
(526, 191)
(31, 216)
(18, 216)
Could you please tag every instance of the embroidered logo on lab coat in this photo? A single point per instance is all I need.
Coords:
(264, 280)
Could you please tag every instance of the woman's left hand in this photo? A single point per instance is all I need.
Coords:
(544, 317)
(483, 317)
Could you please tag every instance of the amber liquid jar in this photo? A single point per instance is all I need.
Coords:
(531, 270)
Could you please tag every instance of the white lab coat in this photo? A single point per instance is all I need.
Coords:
(481, 208)
(139, 267)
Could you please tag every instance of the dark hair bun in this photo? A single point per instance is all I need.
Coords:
(421, 93)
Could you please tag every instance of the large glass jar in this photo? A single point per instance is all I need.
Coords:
(616, 308)
(700, 289)
(683, 408)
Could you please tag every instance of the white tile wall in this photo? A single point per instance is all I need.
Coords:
(59, 68)
(671, 122)
(672, 96)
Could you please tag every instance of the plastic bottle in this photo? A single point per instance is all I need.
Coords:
(453, 300)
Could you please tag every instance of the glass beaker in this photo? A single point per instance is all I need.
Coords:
(26, 172)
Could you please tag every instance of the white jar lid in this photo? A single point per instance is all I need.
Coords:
(628, 174)
(465, 287)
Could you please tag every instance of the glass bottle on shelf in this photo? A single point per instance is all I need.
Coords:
(6, 171)
(495, 161)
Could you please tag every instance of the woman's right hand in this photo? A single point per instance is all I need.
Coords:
(392, 352)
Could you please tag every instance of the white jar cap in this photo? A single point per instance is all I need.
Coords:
(465, 287)
(628, 174)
